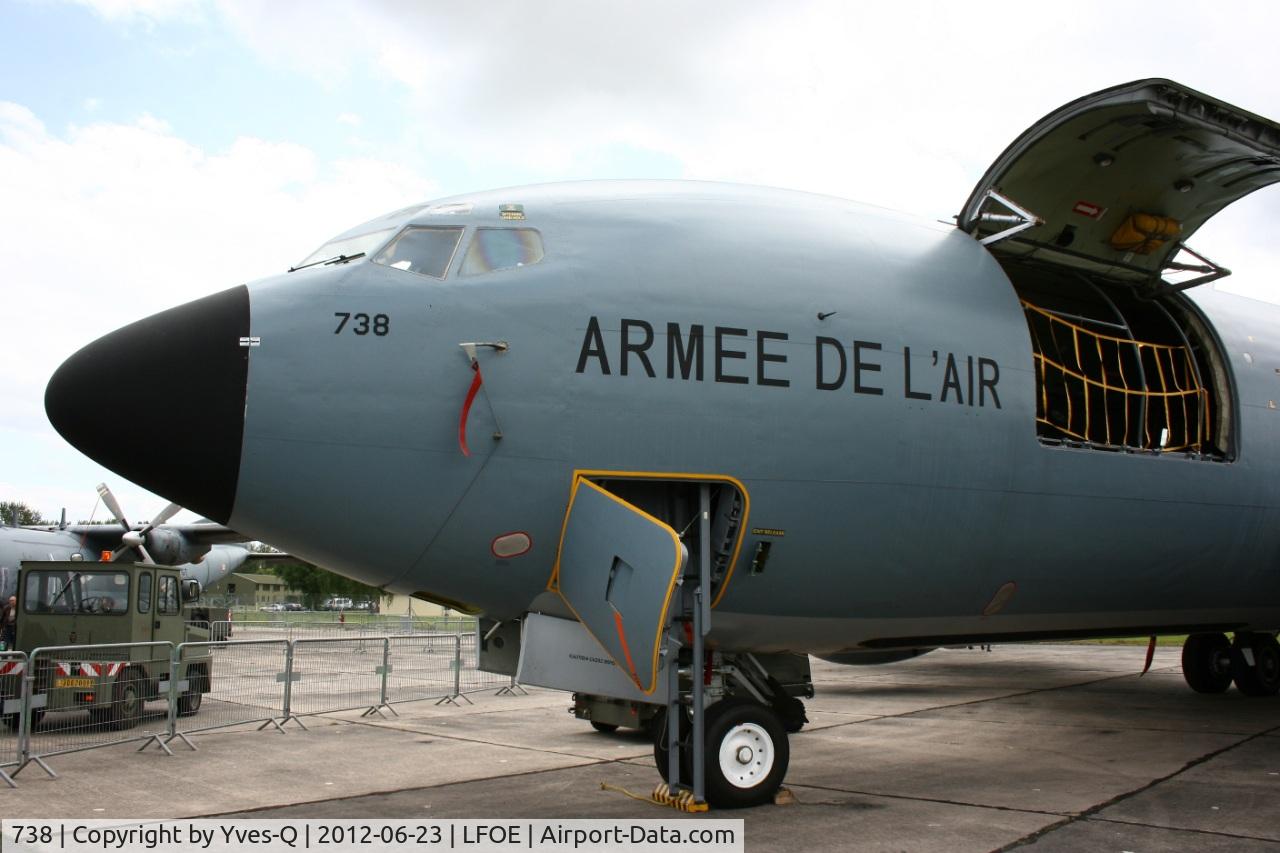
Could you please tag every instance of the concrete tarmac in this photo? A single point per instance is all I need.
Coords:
(1036, 747)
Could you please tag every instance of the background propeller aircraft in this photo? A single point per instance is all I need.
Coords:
(669, 438)
(205, 552)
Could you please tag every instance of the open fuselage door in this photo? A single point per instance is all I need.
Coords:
(1088, 212)
(1114, 183)
(618, 571)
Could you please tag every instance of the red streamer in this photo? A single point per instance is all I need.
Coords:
(476, 382)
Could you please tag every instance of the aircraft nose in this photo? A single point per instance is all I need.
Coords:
(161, 401)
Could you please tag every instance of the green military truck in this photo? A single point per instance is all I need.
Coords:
(86, 604)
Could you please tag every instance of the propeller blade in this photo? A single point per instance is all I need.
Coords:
(165, 514)
(112, 504)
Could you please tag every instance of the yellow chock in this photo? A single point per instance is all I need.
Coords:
(662, 796)
(682, 801)
(784, 797)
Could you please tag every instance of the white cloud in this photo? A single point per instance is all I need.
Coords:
(144, 11)
(110, 222)
(350, 119)
(902, 105)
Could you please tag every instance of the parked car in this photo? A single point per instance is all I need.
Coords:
(272, 608)
(337, 604)
(292, 606)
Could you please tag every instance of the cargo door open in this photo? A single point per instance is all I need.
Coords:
(617, 571)
(1089, 212)
(1114, 184)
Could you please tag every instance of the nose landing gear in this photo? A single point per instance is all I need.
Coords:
(745, 750)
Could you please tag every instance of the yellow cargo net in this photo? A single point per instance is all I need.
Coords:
(1114, 391)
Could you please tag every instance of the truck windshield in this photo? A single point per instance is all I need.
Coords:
(76, 592)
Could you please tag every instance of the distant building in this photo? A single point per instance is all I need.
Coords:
(404, 605)
(251, 590)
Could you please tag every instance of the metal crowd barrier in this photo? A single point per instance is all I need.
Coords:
(247, 685)
(50, 698)
(66, 713)
(422, 666)
(356, 667)
(255, 629)
(13, 669)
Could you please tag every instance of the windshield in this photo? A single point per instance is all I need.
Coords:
(346, 246)
(495, 249)
(426, 251)
(76, 592)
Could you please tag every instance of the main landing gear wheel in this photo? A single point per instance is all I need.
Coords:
(747, 753)
(1206, 662)
(1263, 677)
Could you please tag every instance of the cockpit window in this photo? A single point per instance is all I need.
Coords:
(345, 247)
(501, 248)
(426, 251)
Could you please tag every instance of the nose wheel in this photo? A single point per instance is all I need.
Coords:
(745, 752)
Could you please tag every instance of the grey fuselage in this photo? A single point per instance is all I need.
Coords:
(897, 506)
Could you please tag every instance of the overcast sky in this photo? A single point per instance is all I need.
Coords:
(154, 151)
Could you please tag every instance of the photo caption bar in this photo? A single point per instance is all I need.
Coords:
(704, 835)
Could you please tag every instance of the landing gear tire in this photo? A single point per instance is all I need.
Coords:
(604, 728)
(658, 726)
(1263, 677)
(1206, 662)
(747, 754)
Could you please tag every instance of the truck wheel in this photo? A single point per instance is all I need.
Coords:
(746, 752)
(189, 702)
(126, 700)
(604, 728)
(11, 721)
